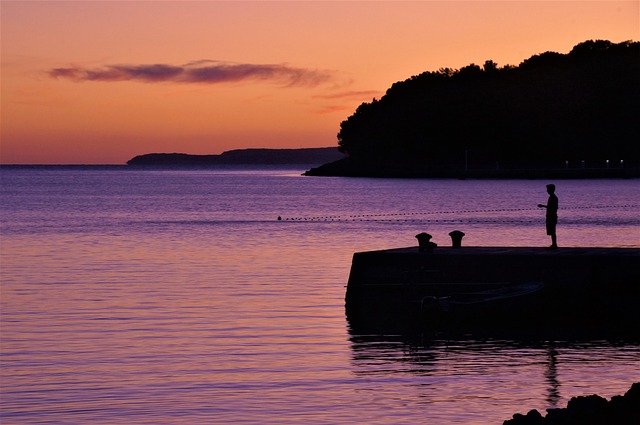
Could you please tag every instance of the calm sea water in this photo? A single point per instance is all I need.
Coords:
(177, 297)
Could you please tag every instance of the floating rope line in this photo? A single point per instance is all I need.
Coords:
(388, 217)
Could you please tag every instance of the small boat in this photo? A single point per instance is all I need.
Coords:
(501, 306)
(485, 297)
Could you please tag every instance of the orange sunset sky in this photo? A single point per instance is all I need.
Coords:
(98, 82)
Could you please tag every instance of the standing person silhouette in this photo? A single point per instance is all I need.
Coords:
(552, 214)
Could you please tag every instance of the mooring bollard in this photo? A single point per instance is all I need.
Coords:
(456, 238)
(424, 242)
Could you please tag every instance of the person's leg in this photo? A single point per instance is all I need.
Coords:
(554, 238)
(551, 231)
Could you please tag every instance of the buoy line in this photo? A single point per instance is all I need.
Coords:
(386, 217)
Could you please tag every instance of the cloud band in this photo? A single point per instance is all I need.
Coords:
(205, 72)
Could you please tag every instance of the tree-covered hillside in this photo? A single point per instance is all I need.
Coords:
(552, 108)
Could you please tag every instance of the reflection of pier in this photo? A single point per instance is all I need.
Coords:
(587, 291)
(519, 373)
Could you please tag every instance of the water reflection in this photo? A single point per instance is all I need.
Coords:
(551, 374)
(531, 373)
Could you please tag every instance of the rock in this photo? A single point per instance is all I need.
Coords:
(588, 410)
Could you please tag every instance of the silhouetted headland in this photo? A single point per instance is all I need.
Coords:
(554, 116)
(309, 156)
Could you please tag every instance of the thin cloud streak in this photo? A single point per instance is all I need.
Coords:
(347, 98)
(204, 72)
(351, 95)
(331, 109)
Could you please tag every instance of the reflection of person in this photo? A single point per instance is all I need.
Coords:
(552, 214)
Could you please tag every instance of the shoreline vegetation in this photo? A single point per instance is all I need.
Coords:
(554, 116)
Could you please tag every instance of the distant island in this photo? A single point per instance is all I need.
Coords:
(302, 156)
(555, 115)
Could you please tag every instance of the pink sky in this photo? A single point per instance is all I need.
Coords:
(87, 82)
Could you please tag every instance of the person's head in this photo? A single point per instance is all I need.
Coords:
(551, 188)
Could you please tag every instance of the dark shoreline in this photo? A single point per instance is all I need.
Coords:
(348, 168)
(588, 410)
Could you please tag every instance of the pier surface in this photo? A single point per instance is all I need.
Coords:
(583, 287)
(561, 266)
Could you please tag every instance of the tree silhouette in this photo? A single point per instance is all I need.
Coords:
(550, 109)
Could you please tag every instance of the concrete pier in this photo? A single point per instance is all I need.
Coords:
(585, 289)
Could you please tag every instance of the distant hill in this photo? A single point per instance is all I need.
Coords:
(302, 156)
(568, 115)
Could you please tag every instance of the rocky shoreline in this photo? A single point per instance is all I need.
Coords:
(588, 410)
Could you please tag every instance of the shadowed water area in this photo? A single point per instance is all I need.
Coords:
(178, 297)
